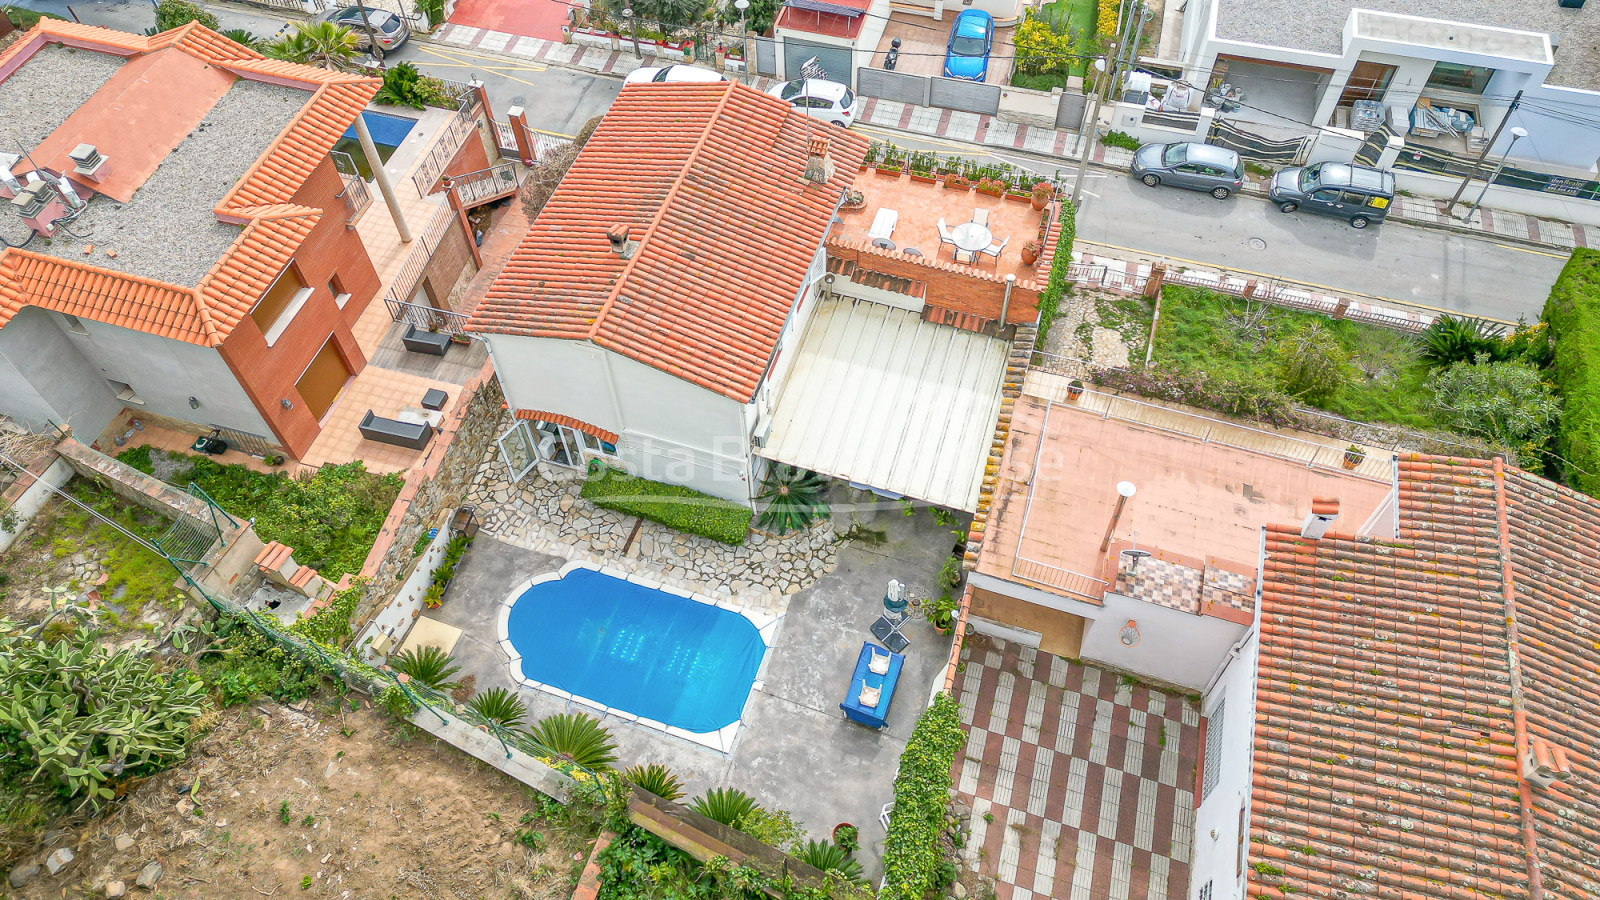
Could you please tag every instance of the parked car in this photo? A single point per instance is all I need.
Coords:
(967, 54)
(671, 75)
(1357, 194)
(829, 101)
(390, 29)
(1198, 167)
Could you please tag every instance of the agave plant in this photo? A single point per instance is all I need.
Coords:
(324, 44)
(656, 779)
(730, 806)
(577, 738)
(499, 706)
(826, 855)
(243, 36)
(428, 665)
(795, 498)
(1452, 339)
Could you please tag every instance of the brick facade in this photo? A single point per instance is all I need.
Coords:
(268, 374)
(951, 286)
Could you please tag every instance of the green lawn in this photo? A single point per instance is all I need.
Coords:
(1072, 14)
(1202, 330)
(25, 18)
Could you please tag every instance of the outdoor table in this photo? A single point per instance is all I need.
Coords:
(871, 716)
(970, 238)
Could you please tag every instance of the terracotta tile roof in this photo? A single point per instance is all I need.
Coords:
(539, 415)
(1399, 682)
(260, 200)
(708, 178)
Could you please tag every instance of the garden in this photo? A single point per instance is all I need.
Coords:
(1055, 41)
(330, 517)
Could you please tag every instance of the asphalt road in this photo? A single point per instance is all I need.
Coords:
(1461, 273)
(555, 100)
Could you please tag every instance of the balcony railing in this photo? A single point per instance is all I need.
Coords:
(475, 188)
(454, 134)
(1086, 586)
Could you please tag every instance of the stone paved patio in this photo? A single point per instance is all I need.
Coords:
(1088, 780)
(544, 513)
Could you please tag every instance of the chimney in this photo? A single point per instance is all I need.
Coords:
(620, 245)
(39, 205)
(1545, 764)
(819, 166)
(9, 186)
(1323, 511)
(88, 162)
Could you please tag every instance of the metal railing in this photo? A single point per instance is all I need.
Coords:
(505, 137)
(451, 137)
(480, 187)
(427, 318)
(1086, 586)
(356, 198)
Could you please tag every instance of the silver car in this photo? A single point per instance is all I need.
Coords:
(389, 28)
(1198, 167)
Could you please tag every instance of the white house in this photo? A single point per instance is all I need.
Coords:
(643, 319)
(1303, 65)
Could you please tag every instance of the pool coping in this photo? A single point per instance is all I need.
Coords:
(722, 740)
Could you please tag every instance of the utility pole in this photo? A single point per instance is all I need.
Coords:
(1477, 163)
(1131, 10)
(372, 35)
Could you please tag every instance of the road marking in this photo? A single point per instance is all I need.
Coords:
(1295, 281)
(1528, 250)
(505, 66)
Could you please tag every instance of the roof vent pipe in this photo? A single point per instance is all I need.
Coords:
(87, 161)
(1324, 510)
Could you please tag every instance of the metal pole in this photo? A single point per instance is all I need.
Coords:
(1086, 130)
(1515, 136)
(633, 31)
(1484, 155)
(376, 162)
(372, 36)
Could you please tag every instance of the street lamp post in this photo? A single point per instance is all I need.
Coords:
(1517, 134)
(744, 41)
(633, 30)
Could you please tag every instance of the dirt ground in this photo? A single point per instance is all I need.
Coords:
(347, 804)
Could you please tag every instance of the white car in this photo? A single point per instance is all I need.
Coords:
(671, 75)
(829, 101)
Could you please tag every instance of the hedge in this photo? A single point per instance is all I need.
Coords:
(911, 851)
(1055, 287)
(674, 506)
(1573, 313)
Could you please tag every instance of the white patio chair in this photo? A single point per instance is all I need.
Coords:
(883, 224)
(981, 216)
(995, 250)
(945, 237)
(883, 816)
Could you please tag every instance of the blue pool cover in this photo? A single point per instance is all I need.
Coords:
(637, 649)
(386, 130)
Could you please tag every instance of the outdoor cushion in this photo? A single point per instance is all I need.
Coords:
(869, 696)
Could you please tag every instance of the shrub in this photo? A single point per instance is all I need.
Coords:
(1507, 402)
(730, 806)
(826, 855)
(1121, 139)
(242, 36)
(1042, 48)
(1312, 364)
(1244, 396)
(429, 665)
(248, 664)
(173, 13)
(433, 9)
(499, 706)
(795, 498)
(674, 506)
(395, 702)
(138, 458)
(655, 779)
(578, 739)
(1573, 314)
(402, 86)
(331, 624)
(1451, 339)
(1057, 285)
(912, 852)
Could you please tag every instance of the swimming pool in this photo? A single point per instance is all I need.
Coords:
(625, 645)
(387, 134)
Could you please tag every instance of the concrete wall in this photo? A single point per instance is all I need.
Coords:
(1174, 646)
(44, 376)
(1500, 197)
(1030, 107)
(1218, 860)
(35, 490)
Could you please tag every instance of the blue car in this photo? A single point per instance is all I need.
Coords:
(967, 55)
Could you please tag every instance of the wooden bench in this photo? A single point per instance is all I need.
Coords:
(414, 435)
(432, 342)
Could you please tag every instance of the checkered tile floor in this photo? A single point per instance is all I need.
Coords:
(1087, 782)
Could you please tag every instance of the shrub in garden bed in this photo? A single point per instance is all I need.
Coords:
(912, 854)
(674, 506)
(1573, 314)
(1056, 286)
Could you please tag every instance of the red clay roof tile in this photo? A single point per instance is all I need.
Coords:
(1389, 717)
(539, 415)
(708, 177)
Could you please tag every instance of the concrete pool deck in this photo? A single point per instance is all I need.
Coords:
(796, 751)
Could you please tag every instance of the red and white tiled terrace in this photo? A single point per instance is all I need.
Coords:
(1081, 784)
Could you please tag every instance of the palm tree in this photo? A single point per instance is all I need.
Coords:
(730, 806)
(795, 498)
(656, 779)
(428, 665)
(826, 855)
(324, 44)
(578, 738)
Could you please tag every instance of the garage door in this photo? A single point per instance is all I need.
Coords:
(323, 379)
(803, 59)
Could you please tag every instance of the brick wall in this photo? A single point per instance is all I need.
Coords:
(958, 288)
(450, 264)
(436, 484)
(268, 374)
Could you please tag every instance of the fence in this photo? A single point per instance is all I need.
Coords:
(929, 90)
(477, 188)
(428, 318)
(454, 134)
(1254, 146)
(1086, 586)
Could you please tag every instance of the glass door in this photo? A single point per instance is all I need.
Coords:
(518, 450)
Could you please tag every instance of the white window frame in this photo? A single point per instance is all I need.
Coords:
(281, 324)
(519, 430)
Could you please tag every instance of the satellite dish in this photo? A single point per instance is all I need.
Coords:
(1136, 555)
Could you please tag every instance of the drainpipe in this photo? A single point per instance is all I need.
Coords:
(376, 162)
(1005, 302)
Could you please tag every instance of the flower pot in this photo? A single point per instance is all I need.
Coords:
(992, 192)
(1039, 202)
(1030, 253)
(889, 171)
(1351, 460)
(1074, 390)
(922, 179)
(840, 827)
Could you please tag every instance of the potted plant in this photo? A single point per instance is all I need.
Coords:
(1030, 252)
(941, 613)
(1014, 191)
(1075, 389)
(921, 165)
(994, 187)
(847, 837)
(957, 181)
(457, 337)
(1042, 194)
(1354, 455)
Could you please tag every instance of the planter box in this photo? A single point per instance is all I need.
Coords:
(679, 51)
(890, 173)
(1024, 198)
(992, 192)
(922, 179)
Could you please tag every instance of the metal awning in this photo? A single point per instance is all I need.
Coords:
(879, 397)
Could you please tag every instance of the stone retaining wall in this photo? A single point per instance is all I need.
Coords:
(136, 487)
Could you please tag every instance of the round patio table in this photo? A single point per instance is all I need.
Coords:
(969, 238)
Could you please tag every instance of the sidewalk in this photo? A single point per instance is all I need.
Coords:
(988, 131)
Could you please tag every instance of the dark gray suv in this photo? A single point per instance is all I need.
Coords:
(1357, 194)
(1198, 167)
